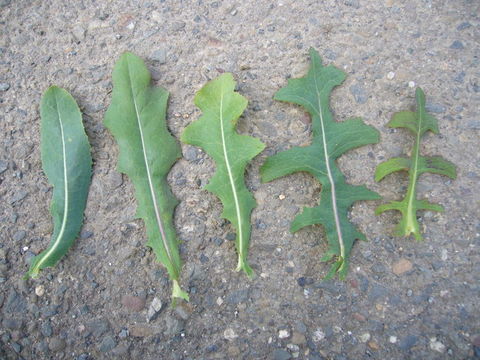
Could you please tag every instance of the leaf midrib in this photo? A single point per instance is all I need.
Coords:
(414, 174)
(230, 177)
(329, 173)
(65, 180)
(147, 167)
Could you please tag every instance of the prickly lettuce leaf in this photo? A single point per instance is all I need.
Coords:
(67, 163)
(137, 119)
(418, 123)
(330, 140)
(215, 133)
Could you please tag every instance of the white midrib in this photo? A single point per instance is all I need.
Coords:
(330, 178)
(152, 190)
(230, 177)
(411, 198)
(58, 240)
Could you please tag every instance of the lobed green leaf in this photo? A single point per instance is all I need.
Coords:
(330, 140)
(418, 123)
(215, 132)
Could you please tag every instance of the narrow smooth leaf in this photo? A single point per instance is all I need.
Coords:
(137, 119)
(418, 123)
(330, 140)
(67, 163)
(215, 132)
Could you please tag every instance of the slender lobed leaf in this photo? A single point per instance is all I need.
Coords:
(330, 140)
(215, 133)
(67, 163)
(137, 120)
(418, 123)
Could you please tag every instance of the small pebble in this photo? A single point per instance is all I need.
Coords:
(436, 345)
(444, 255)
(280, 354)
(463, 26)
(4, 86)
(40, 290)
(107, 344)
(19, 235)
(211, 348)
(364, 337)
(3, 166)
(229, 334)
(86, 234)
(373, 345)
(78, 33)
(159, 56)
(457, 45)
(435, 108)
(154, 309)
(318, 335)
(133, 303)
(408, 342)
(46, 329)
(298, 338)
(183, 311)
(402, 266)
(359, 317)
(56, 344)
(359, 92)
(204, 259)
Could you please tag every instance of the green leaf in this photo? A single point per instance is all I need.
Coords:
(418, 123)
(330, 140)
(215, 133)
(137, 119)
(67, 163)
(390, 166)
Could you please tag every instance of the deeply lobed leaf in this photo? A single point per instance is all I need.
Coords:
(67, 163)
(330, 140)
(137, 119)
(215, 132)
(418, 123)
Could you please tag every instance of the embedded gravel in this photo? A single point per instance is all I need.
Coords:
(109, 298)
